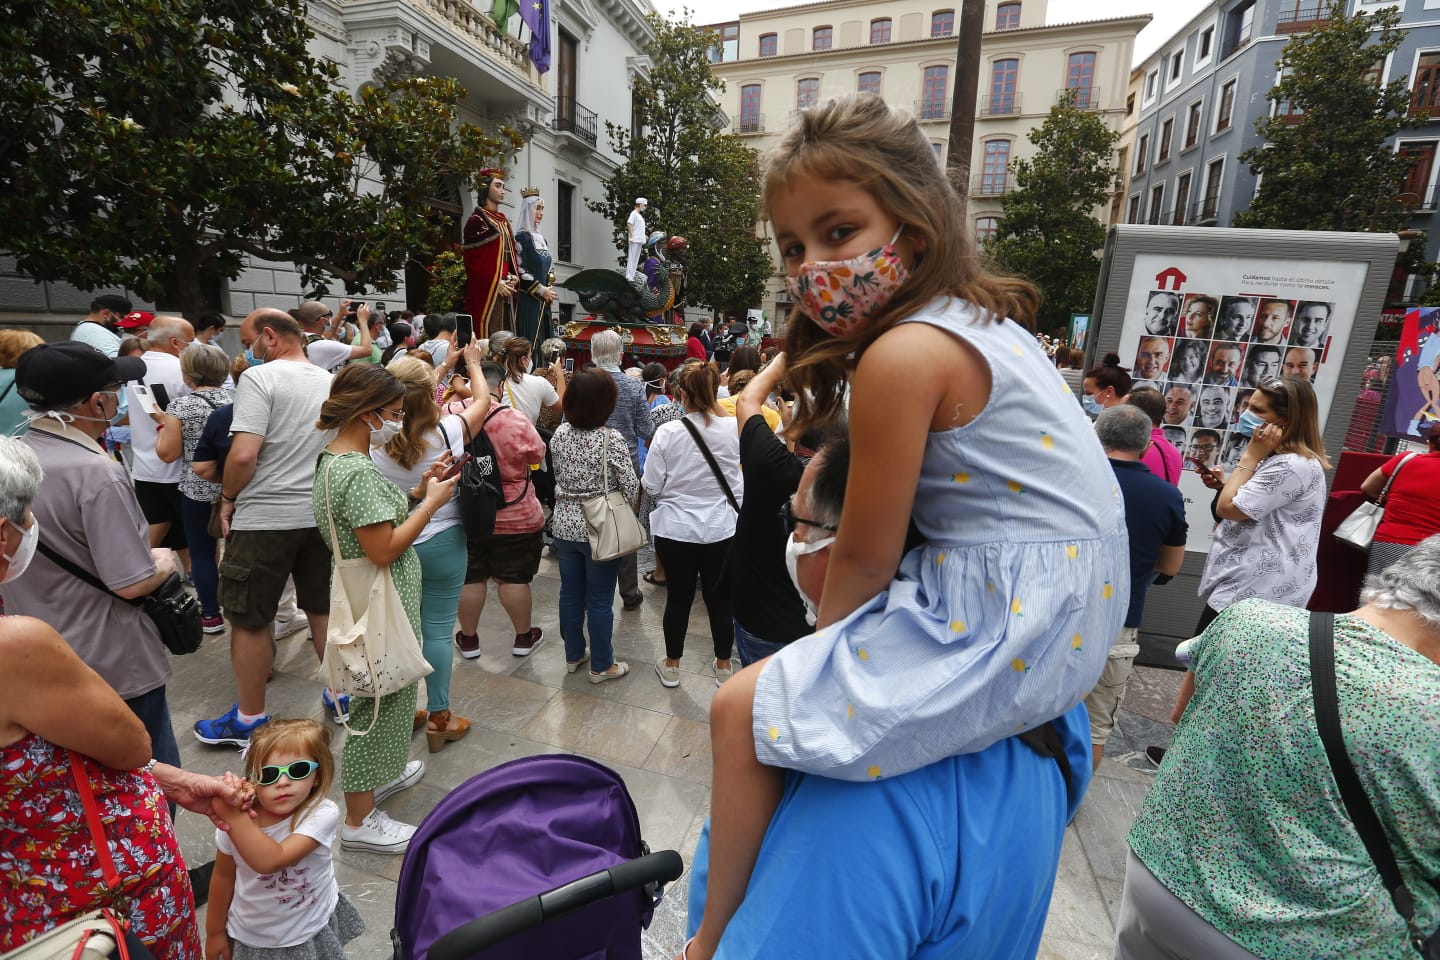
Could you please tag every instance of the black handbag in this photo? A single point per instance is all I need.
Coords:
(173, 609)
(1352, 793)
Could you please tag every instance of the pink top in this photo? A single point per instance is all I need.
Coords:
(1162, 458)
(518, 446)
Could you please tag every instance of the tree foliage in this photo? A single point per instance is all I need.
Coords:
(1049, 232)
(1331, 168)
(702, 183)
(154, 145)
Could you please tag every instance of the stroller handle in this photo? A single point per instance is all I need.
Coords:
(665, 867)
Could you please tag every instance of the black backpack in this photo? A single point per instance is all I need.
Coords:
(482, 495)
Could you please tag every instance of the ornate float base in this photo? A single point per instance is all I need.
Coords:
(645, 342)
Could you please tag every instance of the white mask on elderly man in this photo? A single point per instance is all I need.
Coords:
(794, 550)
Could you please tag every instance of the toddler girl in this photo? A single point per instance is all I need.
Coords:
(1003, 618)
(273, 893)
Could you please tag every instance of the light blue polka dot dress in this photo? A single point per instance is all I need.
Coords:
(1001, 621)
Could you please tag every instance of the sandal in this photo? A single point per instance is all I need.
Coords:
(618, 670)
(442, 728)
(650, 578)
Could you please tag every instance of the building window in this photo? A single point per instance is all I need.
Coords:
(823, 39)
(564, 220)
(807, 93)
(1080, 77)
(1167, 131)
(1414, 192)
(934, 103)
(637, 120)
(1007, 16)
(727, 43)
(1142, 148)
(769, 44)
(1182, 199)
(1210, 204)
(868, 82)
(750, 108)
(1297, 16)
(1175, 59)
(1132, 213)
(1157, 202)
(1204, 45)
(1425, 90)
(985, 228)
(938, 149)
(1192, 124)
(1239, 28)
(1225, 114)
(995, 168)
(1004, 76)
(1130, 105)
(942, 23)
(1152, 83)
(880, 30)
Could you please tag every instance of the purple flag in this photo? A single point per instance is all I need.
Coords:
(536, 15)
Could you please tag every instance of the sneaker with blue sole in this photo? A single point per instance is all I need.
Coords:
(227, 728)
(337, 709)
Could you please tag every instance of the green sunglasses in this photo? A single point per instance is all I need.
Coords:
(295, 770)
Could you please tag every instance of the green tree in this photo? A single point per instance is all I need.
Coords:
(154, 145)
(1326, 163)
(1049, 230)
(702, 183)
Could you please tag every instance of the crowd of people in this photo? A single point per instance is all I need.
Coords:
(934, 595)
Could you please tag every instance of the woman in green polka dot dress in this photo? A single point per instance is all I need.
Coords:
(372, 520)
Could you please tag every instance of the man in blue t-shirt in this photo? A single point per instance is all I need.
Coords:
(1155, 519)
(956, 859)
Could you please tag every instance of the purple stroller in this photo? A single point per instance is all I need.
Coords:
(543, 853)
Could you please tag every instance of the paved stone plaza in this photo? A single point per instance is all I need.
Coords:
(657, 739)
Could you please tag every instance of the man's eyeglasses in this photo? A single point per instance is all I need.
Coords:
(788, 517)
(295, 770)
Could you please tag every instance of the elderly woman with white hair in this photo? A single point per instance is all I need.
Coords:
(204, 368)
(65, 733)
(1243, 847)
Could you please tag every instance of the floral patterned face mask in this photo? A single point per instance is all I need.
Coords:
(839, 294)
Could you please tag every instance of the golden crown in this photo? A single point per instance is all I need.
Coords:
(530, 192)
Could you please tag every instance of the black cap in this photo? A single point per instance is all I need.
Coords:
(55, 374)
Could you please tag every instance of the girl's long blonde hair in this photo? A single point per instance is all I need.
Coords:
(861, 140)
(305, 737)
(421, 412)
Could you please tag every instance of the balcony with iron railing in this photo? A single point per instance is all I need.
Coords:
(992, 185)
(1421, 202)
(749, 123)
(1301, 17)
(1000, 105)
(573, 118)
(1086, 98)
(932, 108)
(1204, 213)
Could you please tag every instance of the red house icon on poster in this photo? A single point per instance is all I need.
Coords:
(1163, 278)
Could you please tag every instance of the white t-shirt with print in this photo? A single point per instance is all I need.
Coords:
(529, 395)
(1271, 555)
(289, 907)
(451, 428)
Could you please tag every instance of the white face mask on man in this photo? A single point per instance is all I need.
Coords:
(794, 550)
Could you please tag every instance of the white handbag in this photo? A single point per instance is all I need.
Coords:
(609, 518)
(94, 936)
(1358, 529)
(375, 653)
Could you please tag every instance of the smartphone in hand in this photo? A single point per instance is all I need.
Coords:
(145, 399)
(162, 396)
(456, 467)
(464, 330)
(569, 364)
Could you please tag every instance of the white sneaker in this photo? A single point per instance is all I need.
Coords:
(722, 673)
(281, 629)
(669, 676)
(377, 833)
(414, 770)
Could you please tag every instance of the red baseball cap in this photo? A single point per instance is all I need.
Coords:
(135, 320)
